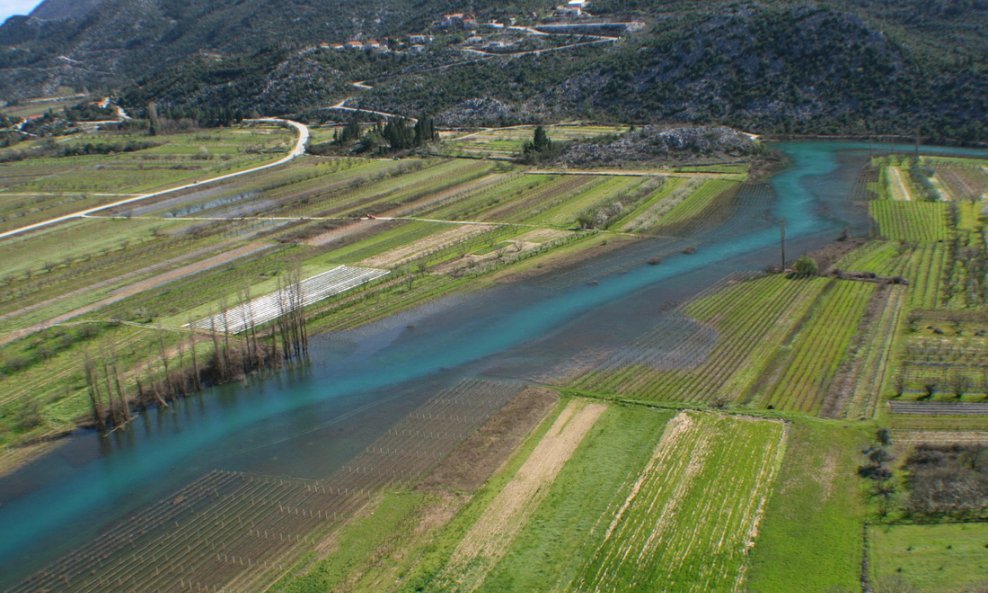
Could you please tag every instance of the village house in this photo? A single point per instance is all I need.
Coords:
(458, 20)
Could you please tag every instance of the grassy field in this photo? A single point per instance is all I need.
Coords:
(811, 537)
(693, 512)
(684, 494)
(508, 142)
(947, 558)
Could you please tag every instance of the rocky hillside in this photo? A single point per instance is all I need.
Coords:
(805, 69)
(832, 66)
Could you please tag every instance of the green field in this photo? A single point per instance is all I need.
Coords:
(924, 222)
(947, 558)
(805, 368)
(811, 537)
(688, 528)
(40, 188)
(719, 450)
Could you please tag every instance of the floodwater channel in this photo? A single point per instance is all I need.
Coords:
(309, 423)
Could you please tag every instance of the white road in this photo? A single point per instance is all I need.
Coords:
(297, 151)
(341, 106)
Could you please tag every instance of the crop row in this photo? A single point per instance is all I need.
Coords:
(688, 522)
(911, 221)
(716, 358)
(805, 371)
(873, 368)
(697, 202)
(468, 206)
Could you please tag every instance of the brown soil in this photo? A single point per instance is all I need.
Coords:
(489, 538)
(554, 261)
(359, 228)
(482, 453)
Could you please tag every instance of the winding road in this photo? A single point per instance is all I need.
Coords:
(297, 151)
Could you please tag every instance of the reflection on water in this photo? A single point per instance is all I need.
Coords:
(307, 424)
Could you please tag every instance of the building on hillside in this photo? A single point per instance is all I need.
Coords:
(572, 8)
(420, 39)
(458, 20)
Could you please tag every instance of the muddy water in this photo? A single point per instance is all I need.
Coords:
(309, 424)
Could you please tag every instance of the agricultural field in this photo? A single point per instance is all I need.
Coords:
(698, 482)
(719, 450)
(930, 558)
(508, 142)
(923, 222)
(810, 539)
(35, 189)
(719, 356)
(800, 377)
(139, 274)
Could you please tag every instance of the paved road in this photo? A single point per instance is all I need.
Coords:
(297, 150)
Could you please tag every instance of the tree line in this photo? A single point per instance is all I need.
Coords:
(173, 370)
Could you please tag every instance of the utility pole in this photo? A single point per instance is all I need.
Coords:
(782, 244)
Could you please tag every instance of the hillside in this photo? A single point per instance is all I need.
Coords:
(861, 66)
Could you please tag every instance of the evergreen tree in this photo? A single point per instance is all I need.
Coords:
(425, 131)
(399, 134)
(540, 146)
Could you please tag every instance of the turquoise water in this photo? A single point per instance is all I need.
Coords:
(309, 423)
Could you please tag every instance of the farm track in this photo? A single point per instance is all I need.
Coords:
(229, 529)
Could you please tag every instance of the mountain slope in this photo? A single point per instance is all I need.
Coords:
(840, 66)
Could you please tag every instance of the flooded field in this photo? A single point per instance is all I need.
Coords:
(372, 394)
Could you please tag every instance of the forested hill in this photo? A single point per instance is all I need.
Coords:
(835, 66)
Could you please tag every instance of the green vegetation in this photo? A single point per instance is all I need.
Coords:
(930, 558)
(810, 539)
(549, 551)
(750, 319)
(805, 367)
(924, 222)
(688, 528)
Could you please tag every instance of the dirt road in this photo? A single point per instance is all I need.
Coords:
(297, 151)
